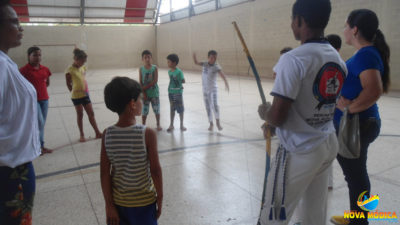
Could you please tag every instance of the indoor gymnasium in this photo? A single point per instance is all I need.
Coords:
(199, 112)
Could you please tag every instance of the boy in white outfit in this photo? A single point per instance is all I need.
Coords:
(210, 88)
(308, 82)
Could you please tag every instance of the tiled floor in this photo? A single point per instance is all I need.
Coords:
(211, 178)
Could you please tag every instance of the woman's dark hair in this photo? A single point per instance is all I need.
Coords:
(367, 24)
(79, 54)
(173, 58)
(119, 92)
(32, 50)
(315, 12)
(3, 5)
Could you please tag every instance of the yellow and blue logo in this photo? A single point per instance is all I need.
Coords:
(367, 204)
(370, 205)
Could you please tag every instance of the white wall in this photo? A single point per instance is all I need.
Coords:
(106, 46)
(265, 25)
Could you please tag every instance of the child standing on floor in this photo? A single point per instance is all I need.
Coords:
(148, 78)
(131, 177)
(39, 76)
(77, 85)
(210, 88)
(175, 90)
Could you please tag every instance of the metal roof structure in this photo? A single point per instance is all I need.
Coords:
(113, 11)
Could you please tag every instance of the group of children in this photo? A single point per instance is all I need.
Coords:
(131, 176)
(148, 79)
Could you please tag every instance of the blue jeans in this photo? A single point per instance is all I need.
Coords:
(43, 107)
(355, 170)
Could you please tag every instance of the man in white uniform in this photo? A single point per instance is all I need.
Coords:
(308, 81)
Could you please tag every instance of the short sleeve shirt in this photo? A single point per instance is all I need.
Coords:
(311, 76)
(79, 84)
(209, 76)
(38, 78)
(175, 81)
(366, 58)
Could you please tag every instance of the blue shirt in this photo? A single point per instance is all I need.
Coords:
(366, 58)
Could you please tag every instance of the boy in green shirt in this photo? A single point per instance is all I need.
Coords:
(175, 90)
(148, 77)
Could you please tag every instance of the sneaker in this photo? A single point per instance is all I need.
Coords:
(339, 220)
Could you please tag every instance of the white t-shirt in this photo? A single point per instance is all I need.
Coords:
(19, 130)
(311, 76)
(209, 76)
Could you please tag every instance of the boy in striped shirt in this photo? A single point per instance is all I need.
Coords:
(130, 171)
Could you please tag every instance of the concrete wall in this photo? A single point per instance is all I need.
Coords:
(106, 46)
(265, 26)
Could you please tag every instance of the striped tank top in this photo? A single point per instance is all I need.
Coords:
(132, 184)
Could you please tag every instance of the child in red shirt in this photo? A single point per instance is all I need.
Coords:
(39, 76)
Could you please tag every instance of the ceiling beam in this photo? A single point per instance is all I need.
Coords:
(158, 11)
(82, 12)
(78, 7)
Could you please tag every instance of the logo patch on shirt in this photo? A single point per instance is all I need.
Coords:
(328, 83)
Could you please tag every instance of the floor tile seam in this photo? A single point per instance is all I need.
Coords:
(161, 152)
(81, 175)
(61, 189)
(386, 180)
(385, 170)
(230, 181)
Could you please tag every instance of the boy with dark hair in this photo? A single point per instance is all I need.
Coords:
(283, 51)
(175, 90)
(210, 88)
(130, 171)
(308, 82)
(335, 41)
(148, 78)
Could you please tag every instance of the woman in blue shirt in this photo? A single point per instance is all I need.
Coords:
(367, 80)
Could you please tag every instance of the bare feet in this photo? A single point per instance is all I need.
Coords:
(46, 151)
(159, 128)
(183, 128)
(82, 139)
(219, 126)
(99, 135)
(211, 127)
(170, 128)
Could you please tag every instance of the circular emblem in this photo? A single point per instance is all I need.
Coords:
(328, 83)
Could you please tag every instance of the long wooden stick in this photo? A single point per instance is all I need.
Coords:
(260, 89)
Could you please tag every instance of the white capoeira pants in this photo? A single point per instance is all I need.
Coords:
(306, 185)
(330, 176)
(211, 103)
